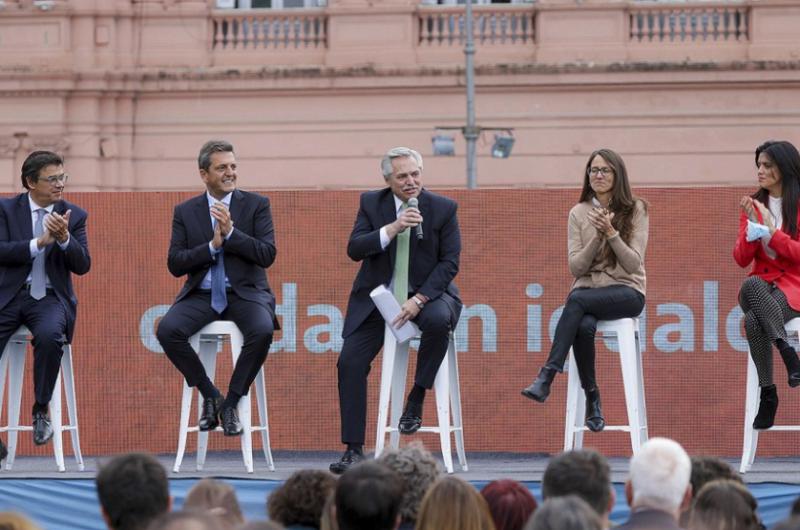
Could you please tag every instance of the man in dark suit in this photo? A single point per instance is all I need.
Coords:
(222, 241)
(658, 488)
(384, 229)
(42, 242)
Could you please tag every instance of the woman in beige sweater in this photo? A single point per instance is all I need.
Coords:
(607, 237)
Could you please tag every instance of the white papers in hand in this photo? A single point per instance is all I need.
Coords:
(387, 304)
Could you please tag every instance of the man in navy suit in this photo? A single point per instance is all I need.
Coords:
(222, 241)
(431, 300)
(42, 242)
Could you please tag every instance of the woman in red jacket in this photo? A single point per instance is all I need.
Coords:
(770, 297)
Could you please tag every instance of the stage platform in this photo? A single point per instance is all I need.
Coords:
(482, 467)
(68, 501)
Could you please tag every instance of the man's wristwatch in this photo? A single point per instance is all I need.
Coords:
(420, 303)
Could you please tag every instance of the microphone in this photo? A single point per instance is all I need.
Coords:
(414, 203)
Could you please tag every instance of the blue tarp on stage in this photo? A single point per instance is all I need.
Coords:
(72, 504)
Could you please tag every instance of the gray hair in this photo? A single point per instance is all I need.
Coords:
(398, 152)
(209, 148)
(418, 470)
(660, 474)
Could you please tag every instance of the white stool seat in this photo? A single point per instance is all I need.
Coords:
(751, 402)
(207, 342)
(448, 394)
(12, 363)
(626, 331)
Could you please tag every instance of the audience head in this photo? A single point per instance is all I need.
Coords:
(792, 523)
(328, 519)
(453, 504)
(708, 468)
(16, 521)
(418, 470)
(133, 490)
(584, 473)
(368, 497)
(216, 498)
(509, 502)
(186, 520)
(564, 513)
(724, 505)
(300, 500)
(796, 507)
(659, 477)
(260, 525)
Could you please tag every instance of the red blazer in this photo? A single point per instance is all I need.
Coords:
(783, 271)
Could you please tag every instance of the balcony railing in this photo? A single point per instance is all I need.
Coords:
(273, 29)
(660, 24)
(492, 24)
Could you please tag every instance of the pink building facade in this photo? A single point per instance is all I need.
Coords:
(312, 96)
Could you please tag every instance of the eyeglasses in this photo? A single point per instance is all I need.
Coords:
(57, 178)
(606, 171)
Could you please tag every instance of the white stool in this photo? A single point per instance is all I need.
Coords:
(448, 394)
(207, 343)
(13, 363)
(751, 402)
(630, 357)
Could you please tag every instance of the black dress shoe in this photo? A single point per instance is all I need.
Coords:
(42, 430)
(540, 388)
(3, 451)
(766, 408)
(350, 458)
(411, 420)
(594, 415)
(792, 363)
(231, 425)
(209, 418)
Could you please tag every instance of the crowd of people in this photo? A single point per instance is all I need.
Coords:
(405, 489)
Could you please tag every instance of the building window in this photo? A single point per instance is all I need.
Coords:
(268, 4)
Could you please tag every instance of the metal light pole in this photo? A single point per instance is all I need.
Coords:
(471, 132)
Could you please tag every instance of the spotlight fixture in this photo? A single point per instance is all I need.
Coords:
(443, 144)
(503, 143)
(44, 5)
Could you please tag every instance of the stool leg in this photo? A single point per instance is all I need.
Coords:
(16, 372)
(72, 408)
(58, 426)
(244, 408)
(387, 367)
(573, 427)
(398, 390)
(263, 418)
(207, 349)
(3, 372)
(630, 373)
(183, 427)
(455, 403)
(752, 397)
(442, 387)
(643, 433)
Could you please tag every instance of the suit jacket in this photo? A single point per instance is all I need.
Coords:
(16, 232)
(649, 519)
(249, 250)
(433, 260)
(783, 271)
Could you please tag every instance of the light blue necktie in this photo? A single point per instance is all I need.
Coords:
(401, 264)
(38, 278)
(219, 299)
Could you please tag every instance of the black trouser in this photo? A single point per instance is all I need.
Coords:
(47, 321)
(578, 324)
(188, 316)
(435, 321)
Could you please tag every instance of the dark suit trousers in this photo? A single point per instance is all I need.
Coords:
(47, 321)
(578, 324)
(188, 316)
(435, 322)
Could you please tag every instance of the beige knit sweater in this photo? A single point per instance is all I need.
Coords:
(585, 247)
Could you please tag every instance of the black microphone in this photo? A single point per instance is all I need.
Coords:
(414, 203)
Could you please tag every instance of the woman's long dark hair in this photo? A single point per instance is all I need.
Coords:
(786, 157)
(622, 203)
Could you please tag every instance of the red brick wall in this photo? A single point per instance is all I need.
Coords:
(129, 396)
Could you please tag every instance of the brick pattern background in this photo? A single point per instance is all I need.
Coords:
(514, 260)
